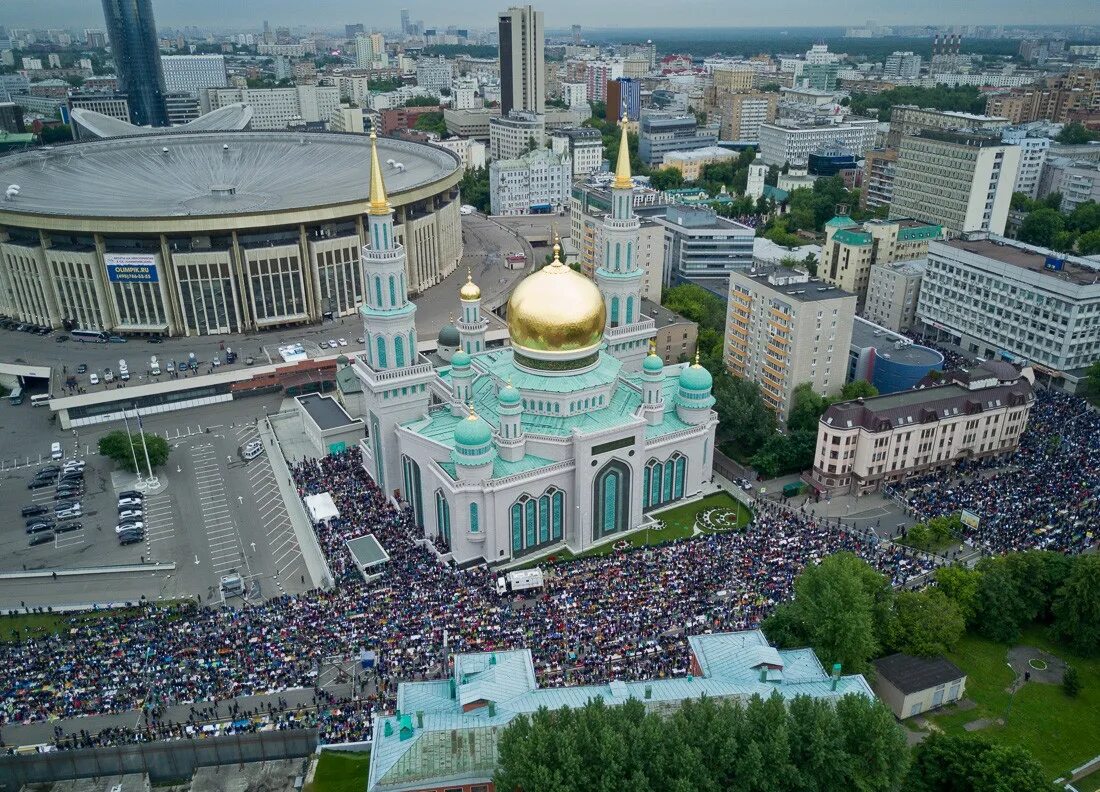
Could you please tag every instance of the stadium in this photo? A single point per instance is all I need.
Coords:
(212, 232)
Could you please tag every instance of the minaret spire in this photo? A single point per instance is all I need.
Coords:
(622, 166)
(378, 203)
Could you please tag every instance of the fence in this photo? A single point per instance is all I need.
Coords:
(163, 761)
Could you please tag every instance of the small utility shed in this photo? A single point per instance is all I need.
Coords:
(912, 685)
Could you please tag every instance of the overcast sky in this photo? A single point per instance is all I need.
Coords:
(562, 13)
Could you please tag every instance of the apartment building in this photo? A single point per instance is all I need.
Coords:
(691, 163)
(434, 74)
(1033, 155)
(998, 298)
(784, 328)
(1074, 95)
(879, 169)
(893, 291)
(537, 181)
(277, 108)
(513, 135)
(677, 335)
(743, 113)
(960, 181)
(733, 78)
(1076, 181)
(851, 250)
(193, 74)
(584, 145)
(910, 119)
(966, 414)
(783, 142)
(701, 244)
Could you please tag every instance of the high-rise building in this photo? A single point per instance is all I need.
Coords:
(133, 36)
(434, 74)
(1061, 98)
(784, 328)
(786, 142)
(700, 244)
(960, 181)
(850, 251)
(576, 34)
(183, 107)
(405, 25)
(879, 169)
(536, 182)
(623, 93)
(351, 31)
(904, 65)
(95, 39)
(1033, 155)
(193, 73)
(910, 119)
(512, 136)
(1076, 181)
(522, 60)
(584, 145)
(743, 113)
(892, 294)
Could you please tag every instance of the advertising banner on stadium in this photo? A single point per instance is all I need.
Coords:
(131, 267)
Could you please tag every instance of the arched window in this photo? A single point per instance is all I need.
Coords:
(381, 352)
(655, 482)
(530, 523)
(399, 351)
(629, 249)
(403, 291)
(678, 488)
(378, 291)
(411, 472)
(629, 310)
(544, 519)
(517, 528)
(618, 254)
(614, 311)
(558, 510)
(443, 517)
(670, 473)
(393, 292)
(611, 499)
(412, 346)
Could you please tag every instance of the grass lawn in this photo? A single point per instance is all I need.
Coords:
(40, 624)
(1061, 732)
(679, 524)
(341, 771)
(1090, 783)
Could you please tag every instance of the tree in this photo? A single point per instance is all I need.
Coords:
(999, 612)
(116, 446)
(786, 453)
(744, 421)
(926, 623)
(475, 188)
(1075, 134)
(806, 408)
(421, 101)
(960, 585)
(1071, 681)
(841, 608)
(697, 304)
(1091, 386)
(1088, 244)
(858, 389)
(431, 122)
(1076, 607)
(1041, 226)
(967, 763)
(56, 133)
(666, 179)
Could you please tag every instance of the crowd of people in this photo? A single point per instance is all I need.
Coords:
(1044, 496)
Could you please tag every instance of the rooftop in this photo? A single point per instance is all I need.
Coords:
(326, 412)
(791, 284)
(704, 153)
(1074, 269)
(867, 334)
(912, 674)
(231, 118)
(661, 315)
(213, 174)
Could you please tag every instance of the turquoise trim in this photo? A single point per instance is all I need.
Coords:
(404, 310)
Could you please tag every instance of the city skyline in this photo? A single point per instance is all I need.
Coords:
(481, 13)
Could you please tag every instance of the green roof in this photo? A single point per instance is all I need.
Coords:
(448, 335)
(841, 221)
(779, 196)
(696, 378)
(847, 237)
(473, 432)
(653, 363)
(920, 232)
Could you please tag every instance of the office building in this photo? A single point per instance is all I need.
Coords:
(193, 73)
(598, 75)
(589, 209)
(471, 153)
(1077, 181)
(691, 163)
(910, 120)
(575, 94)
(960, 181)
(888, 360)
(406, 26)
(584, 145)
(851, 250)
(700, 244)
(406, 747)
(903, 65)
(819, 76)
(660, 133)
(893, 291)
(11, 118)
(784, 328)
(522, 60)
(786, 142)
(1033, 155)
(280, 108)
(733, 79)
(743, 113)
(109, 104)
(879, 170)
(470, 123)
(998, 298)
(434, 74)
(967, 414)
(136, 51)
(401, 118)
(353, 30)
(512, 136)
(537, 182)
(95, 39)
(623, 94)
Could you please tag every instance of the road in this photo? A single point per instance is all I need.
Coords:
(485, 242)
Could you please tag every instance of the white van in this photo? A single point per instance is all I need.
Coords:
(55, 451)
(252, 449)
(40, 400)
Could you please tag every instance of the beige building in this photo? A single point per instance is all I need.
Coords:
(893, 291)
(960, 181)
(733, 79)
(743, 112)
(965, 414)
(851, 250)
(691, 163)
(879, 167)
(784, 328)
(911, 685)
(587, 235)
(676, 335)
(910, 119)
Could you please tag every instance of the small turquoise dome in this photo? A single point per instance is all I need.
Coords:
(653, 364)
(508, 395)
(460, 359)
(473, 432)
(696, 378)
(448, 335)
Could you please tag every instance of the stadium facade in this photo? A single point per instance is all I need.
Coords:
(213, 232)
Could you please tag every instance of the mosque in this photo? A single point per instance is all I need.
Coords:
(564, 439)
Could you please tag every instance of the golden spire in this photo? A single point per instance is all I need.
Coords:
(622, 167)
(652, 347)
(378, 203)
(469, 290)
(697, 357)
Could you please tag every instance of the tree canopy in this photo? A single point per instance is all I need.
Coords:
(964, 98)
(116, 446)
(475, 188)
(967, 763)
(431, 122)
(1076, 133)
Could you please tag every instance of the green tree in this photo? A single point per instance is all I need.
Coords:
(666, 179)
(744, 421)
(1041, 226)
(1088, 244)
(1085, 218)
(967, 763)
(874, 744)
(858, 389)
(1075, 134)
(1090, 388)
(807, 407)
(55, 133)
(786, 453)
(999, 612)
(431, 122)
(926, 623)
(841, 607)
(960, 585)
(475, 188)
(116, 446)
(1076, 607)
(1071, 681)
(697, 304)
(421, 101)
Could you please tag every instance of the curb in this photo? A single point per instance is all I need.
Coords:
(166, 566)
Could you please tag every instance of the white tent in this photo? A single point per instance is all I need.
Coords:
(321, 507)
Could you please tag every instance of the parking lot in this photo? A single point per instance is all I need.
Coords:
(215, 514)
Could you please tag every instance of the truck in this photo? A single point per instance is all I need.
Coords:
(521, 580)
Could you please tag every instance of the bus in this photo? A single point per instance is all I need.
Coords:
(95, 336)
(40, 400)
(16, 396)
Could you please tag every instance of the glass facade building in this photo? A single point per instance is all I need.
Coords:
(133, 37)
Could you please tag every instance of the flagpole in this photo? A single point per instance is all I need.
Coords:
(151, 482)
(130, 440)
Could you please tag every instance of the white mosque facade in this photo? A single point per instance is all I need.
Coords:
(564, 439)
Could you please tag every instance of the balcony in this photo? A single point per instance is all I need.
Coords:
(644, 326)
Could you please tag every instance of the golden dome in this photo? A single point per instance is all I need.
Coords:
(556, 310)
(469, 290)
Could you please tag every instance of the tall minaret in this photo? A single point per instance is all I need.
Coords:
(395, 386)
(472, 327)
(619, 275)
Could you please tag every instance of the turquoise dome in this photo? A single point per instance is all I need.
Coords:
(508, 395)
(460, 359)
(696, 378)
(473, 432)
(653, 364)
(448, 335)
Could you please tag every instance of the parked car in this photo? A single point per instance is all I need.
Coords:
(38, 520)
(132, 525)
(93, 378)
(131, 494)
(130, 537)
(130, 514)
(49, 470)
(68, 514)
(55, 451)
(61, 339)
(128, 502)
(41, 538)
(34, 511)
(82, 368)
(39, 483)
(155, 339)
(342, 341)
(116, 340)
(108, 375)
(332, 343)
(74, 465)
(68, 527)
(39, 527)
